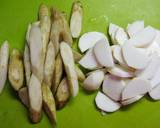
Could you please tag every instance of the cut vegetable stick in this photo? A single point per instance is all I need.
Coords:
(103, 53)
(27, 64)
(27, 33)
(155, 93)
(58, 71)
(88, 40)
(120, 36)
(68, 61)
(135, 87)
(134, 28)
(113, 86)
(93, 81)
(134, 57)
(4, 56)
(24, 97)
(131, 100)
(106, 104)
(36, 52)
(120, 71)
(62, 95)
(143, 38)
(35, 99)
(76, 19)
(89, 61)
(49, 103)
(77, 56)
(49, 64)
(16, 71)
(80, 74)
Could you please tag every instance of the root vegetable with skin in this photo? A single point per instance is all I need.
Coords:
(16, 71)
(4, 57)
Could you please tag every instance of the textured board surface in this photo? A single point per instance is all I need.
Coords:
(80, 112)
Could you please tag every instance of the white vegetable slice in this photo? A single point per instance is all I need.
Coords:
(154, 48)
(117, 54)
(88, 40)
(4, 56)
(135, 87)
(157, 39)
(134, 57)
(134, 28)
(155, 80)
(89, 61)
(103, 53)
(93, 81)
(155, 93)
(106, 104)
(121, 36)
(143, 38)
(120, 71)
(149, 71)
(113, 87)
(131, 100)
(112, 32)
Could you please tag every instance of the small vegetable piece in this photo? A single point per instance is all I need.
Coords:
(155, 80)
(76, 19)
(23, 95)
(134, 57)
(106, 104)
(113, 87)
(112, 32)
(27, 33)
(143, 38)
(68, 61)
(27, 64)
(103, 53)
(80, 74)
(58, 72)
(135, 87)
(155, 93)
(89, 39)
(89, 61)
(36, 52)
(77, 56)
(49, 64)
(49, 103)
(16, 71)
(134, 28)
(4, 56)
(35, 99)
(93, 81)
(62, 95)
(131, 100)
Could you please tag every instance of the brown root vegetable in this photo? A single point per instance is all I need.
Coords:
(49, 64)
(59, 30)
(62, 95)
(68, 61)
(58, 72)
(49, 103)
(23, 95)
(27, 64)
(16, 71)
(35, 99)
(4, 56)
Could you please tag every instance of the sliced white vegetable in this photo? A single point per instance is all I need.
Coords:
(135, 87)
(93, 81)
(112, 32)
(154, 48)
(117, 55)
(113, 87)
(134, 28)
(106, 104)
(121, 36)
(155, 93)
(119, 71)
(150, 70)
(88, 40)
(157, 39)
(89, 61)
(103, 53)
(156, 79)
(134, 57)
(143, 38)
(131, 100)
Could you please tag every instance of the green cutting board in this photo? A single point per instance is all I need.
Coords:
(81, 111)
